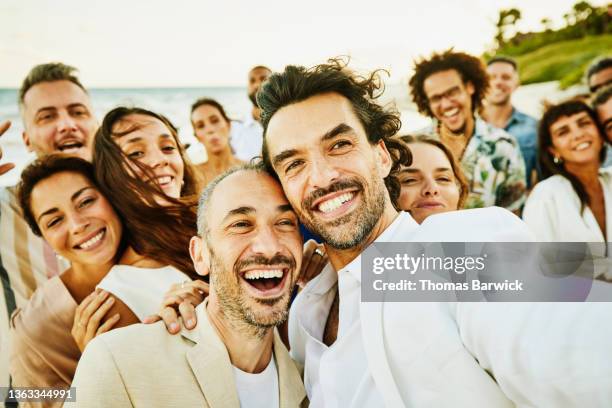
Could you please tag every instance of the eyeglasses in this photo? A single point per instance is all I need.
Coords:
(451, 94)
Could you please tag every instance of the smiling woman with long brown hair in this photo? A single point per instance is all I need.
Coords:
(62, 202)
(142, 167)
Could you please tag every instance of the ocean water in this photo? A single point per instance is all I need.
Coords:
(175, 103)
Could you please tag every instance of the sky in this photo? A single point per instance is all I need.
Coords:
(161, 43)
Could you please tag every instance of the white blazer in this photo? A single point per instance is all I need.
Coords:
(552, 211)
(414, 350)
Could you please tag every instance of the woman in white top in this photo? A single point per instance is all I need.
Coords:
(433, 183)
(574, 202)
(141, 165)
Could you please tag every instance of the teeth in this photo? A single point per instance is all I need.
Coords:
(582, 146)
(334, 203)
(264, 274)
(87, 244)
(70, 145)
(164, 180)
(451, 112)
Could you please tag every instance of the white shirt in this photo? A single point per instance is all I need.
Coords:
(552, 211)
(141, 289)
(338, 376)
(258, 390)
(247, 138)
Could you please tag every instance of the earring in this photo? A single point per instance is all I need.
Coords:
(557, 160)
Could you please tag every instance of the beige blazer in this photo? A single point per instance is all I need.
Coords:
(144, 366)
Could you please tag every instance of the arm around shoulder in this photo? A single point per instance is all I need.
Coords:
(98, 382)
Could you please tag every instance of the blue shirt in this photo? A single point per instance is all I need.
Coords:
(608, 161)
(525, 129)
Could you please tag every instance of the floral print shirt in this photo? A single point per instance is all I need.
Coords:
(493, 166)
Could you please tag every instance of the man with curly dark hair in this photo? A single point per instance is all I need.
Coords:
(449, 87)
(330, 145)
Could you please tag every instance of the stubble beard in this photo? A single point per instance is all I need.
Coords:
(235, 305)
(350, 230)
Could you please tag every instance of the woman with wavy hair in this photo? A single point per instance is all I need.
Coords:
(574, 201)
(63, 202)
(433, 183)
(141, 166)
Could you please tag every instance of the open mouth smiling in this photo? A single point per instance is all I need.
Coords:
(68, 145)
(335, 204)
(92, 242)
(266, 281)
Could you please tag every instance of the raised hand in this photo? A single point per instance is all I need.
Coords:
(4, 126)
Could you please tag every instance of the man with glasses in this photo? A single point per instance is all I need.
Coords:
(450, 87)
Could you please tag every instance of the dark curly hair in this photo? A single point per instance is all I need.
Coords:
(470, 69)
(296, 84)
(549, 168)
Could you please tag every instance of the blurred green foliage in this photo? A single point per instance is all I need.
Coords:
(556, 55)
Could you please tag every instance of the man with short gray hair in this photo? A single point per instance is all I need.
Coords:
(249, 244)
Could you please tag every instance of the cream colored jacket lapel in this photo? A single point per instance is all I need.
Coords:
(212, 367)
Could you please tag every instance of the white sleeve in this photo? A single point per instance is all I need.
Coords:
(543, 354)
(141, 289)
(540, 215)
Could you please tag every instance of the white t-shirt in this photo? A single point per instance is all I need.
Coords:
(247, 139)
(141, 289)
(258, 390)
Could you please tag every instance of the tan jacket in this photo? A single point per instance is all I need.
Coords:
(43, 352)
(144, 366)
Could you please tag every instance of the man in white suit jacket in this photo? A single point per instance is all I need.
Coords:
(249, 243)
(331, 146)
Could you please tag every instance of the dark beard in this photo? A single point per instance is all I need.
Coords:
(364, 222)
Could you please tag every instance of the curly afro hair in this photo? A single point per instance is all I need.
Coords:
(470, 68)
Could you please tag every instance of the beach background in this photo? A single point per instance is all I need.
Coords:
(175, 103)
(171, 54)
